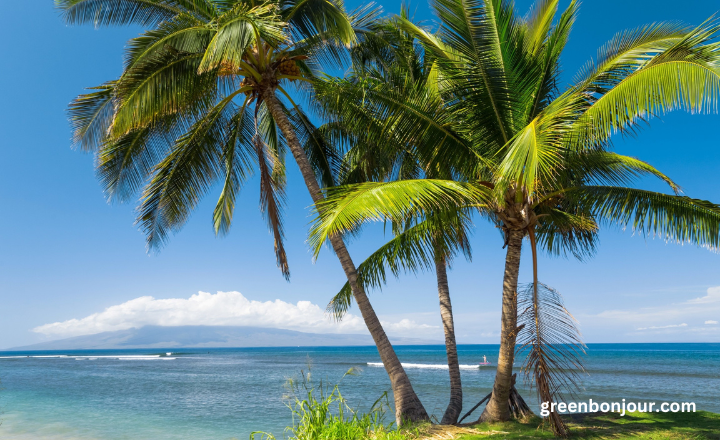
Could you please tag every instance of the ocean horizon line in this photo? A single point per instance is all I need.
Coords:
(166, 348)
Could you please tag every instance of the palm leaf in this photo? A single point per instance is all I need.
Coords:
(239, 158)
(348, 207)
(606, 168)
(539, 23)
(566, 233)
(185, 174)
(118, 12)
(413, 250)
(237, 30)
(165, 85)
(327, 17)
(552, 345)
(272, 196)
(661, 87)
(184, 33)
(674, 218)
(91, 115)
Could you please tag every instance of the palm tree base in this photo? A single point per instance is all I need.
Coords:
(519, 409)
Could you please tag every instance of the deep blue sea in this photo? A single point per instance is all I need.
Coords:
(227, 393)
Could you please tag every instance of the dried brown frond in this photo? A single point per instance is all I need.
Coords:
(553, 346)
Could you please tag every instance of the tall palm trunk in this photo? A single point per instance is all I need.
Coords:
(498, 408)
(408, 407)
(455, 406)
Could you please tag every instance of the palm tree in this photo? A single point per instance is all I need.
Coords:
(542, 164)
(429, 245)
(200, 101)
(390, 55)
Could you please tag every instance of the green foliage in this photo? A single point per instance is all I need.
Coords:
(189, 112)
(476, 105)
(320, 412)
(412, 250)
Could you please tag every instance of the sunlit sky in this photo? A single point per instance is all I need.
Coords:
(65, 253)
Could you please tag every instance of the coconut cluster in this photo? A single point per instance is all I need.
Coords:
(289, 67)
(246, 82)
(227, 68)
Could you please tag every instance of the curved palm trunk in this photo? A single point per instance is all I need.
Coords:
(455, 406)
(408, 407)
(498, 408)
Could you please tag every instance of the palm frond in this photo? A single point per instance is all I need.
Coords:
(272, 195)
(183, 33)
(566, 233)
(237, 30)
(629, 50)
(125, 162)
(539, 23)
(185, 174)
(322, 154)
(606, 168)
(91, 115)
(677, 219)
(552, 344)
(165, 85)
(239, 158)
(545, 84)
(476, 29)
(413, 250)
(327, 17)
(403, 117)
(118, 12)
(662, 87)
(533, 157)
(656, 70)
(348, 207)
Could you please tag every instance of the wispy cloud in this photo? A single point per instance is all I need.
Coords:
(711, 322)
(222, 308)
(685, 320)
(663, 326)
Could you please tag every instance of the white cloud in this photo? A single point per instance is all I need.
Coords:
(711, 322)
(663, 326)
(222, 308)
(406, 324)
(713, 296)
(651, 323)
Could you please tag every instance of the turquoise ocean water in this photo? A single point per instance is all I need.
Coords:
(227, 393)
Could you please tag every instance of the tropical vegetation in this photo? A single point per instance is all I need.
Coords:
(202, 99)
(534, 159)
(430, 128)
(320, 412)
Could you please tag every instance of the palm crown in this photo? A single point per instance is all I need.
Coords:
(188, 109)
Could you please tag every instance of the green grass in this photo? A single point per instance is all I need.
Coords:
(641, 426)
(321, 413)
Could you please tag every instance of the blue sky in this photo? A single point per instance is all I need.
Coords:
(65, 253)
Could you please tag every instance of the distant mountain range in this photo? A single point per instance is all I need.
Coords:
(209, 336)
